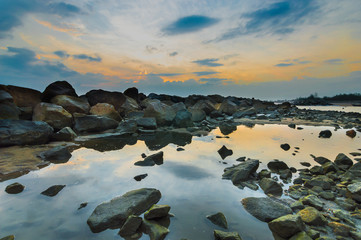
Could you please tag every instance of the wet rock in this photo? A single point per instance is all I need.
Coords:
(327, 195)
(245, 113)
(321, 160)
(329, 167)
(264, 173)
(183, 119)
(117, 99)
(58, 88)
(132, 92)
(285, 146)
(270, 186)
(355, 170)
(341, 229)
(345, 216)
(151, 160)
(266, 209)
(14, 188)
(227, 129)
(313, 201)
(147, 123)
(157, 211)
(53, 190)
(285, 174)
(64, 134)
(277, 165)
(92, 123)
(347, 204)
(154, 230)
(220, 235)
(355, 154)
(343, 162)
(323, 181)
(312, 216)
(127, 127)
(140, 177)
(287, 226)
(163, 113)
(60, 154)
(23, 132)
(316, 170)
(228, 107)
(241, 172)
(72, 104)
(198, 115)
(105, 110)
(204, 105)
(297, 205)
(55, 115)
(355, 235)
(292, 125)
(301, 236)
(325, 134)
(224, 152)
(351, 133)
(114, 213)
(355, 190)
(218, 219)
(306, 164)
(10, 237)
(130, 226)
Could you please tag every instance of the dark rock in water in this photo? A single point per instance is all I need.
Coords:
(264, 173)
(82, 205)
(65, 134)
(130, 226)
(285, 146)
(224, 152)
(321, 160)
(58, 88)
(53, 190)
(329, 167)
(117, 99)
(227, 129)
(306, 164)
(355, 154)
(270, 186)
(241, 172)
(60, 154)
(151, 160)
(218, 219)
(277, 165)
(180, 149)
(322, 181)
(55, 115)
(147, 123)
(14, 188)
(72, 104)
(183, 119)
(355, 190)
(157, 211)
(325, 134)
(220, 235)
(23, 132)
(312, 216)
(266, 209)
(92, 123)
(132, 92)
(10, 237)
(351, 133)
(292, 125)
(343, 162)
(241, 159)
(114, 213)
(140, 177)
(287, 226)
(154, 230)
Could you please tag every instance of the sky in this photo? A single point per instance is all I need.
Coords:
(274, 49)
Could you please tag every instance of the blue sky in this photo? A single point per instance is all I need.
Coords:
(264, 49)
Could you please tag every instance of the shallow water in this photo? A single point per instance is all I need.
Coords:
(190, 182)
(356, 109)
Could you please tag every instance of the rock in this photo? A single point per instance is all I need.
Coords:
(157, 211)
(178, 107)
(297, 205)
(321, 160)
(163, 113)
(343, 162)
(241, 172)
(129, 106)
(292, 125)
(60, 154)
(301, 236)
(24, 97)
(285, 146)
(14, 188)
(64, 134)
(117, 99)
(132, 92)
(183, 119)
(151, 160)
(220, 235)
(325, 134)
(270, 186)
(9, 111)
(245, 113)
(53, 190)
(147, 123)
(329, 167)
(82, 205)
(345, 216)
(105, 110)
(355, 190)
(265, 209)
(228, 107)
(5, 97)
(316, 170)
(92, 123)
(218, 219)
(204, 105)
(312, 216)
(114, 213)
(341, 229)
(287, 226)
(313, 201)
(72, 104)
(130, 226)
(306, 164)
(355, 170)
(224, 152)
(198, 115)
(327, 195)
(264, 173)
(127, 127)
(55, 115)
(140, 177)
(323, 181)
(227, 129)
(154, 230)
(58, 88)
(277, 165)
(23, 132)
(355, 235)
(285, 174)
(10, 237)
(351, 133)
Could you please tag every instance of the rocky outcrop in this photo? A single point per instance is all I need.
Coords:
(116, 99)
(92, 123)
(22, 132)
(72, 104)
(58, 88)
(105, 110)
(55, 115)
(241, 172)
(114, 213)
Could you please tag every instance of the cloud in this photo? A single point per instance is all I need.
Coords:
(63, 9)
(61, 54)
(204, 73)
(292, 62)
(172, 54)
(165, 74)
(284, 64)
(210, 62)
(278, 18)
(151, 49)
(212, 80)
(334, 61)
(189, 24)
(87, 57)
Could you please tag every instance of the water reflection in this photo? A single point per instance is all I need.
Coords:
(190, 181)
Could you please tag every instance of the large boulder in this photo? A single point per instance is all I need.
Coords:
(100, 96)
(287, 226)
(5, 97)
(92, 123)
(9, 110)
(105, 110)
(218, 219)
(241, 172)
(266, 209)
(55, 115)
(157, 211)
(114, 213)
(132, 92)
(147, 123)
(130, 105)
(322, 181)
(343, 162)
(22, 132)
(72, 104)
(204, 105)
(24, 97)
(183, 119)
(198, 115)
(228, 107)
(58, 88)
(163, 113)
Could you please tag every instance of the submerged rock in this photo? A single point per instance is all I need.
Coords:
(140, 177)
(218, 219)
(224, 152)
(270, 186)
(351, 133)
(151, 160)
(114, 213)
(285, 146)
(287, 226)
(154, 230)
(241, 172)
(130, 226)
(14, 188)
(60, 154)
(220, 235)
(325, 134)
(53, 190)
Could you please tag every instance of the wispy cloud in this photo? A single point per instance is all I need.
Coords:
(210, 62)
(172, 54)
(165, 74)
(87, 57)
(61, 54)
(189, 24)
(284, 64)
(334, 61)
(205, 73)
(292, 62)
